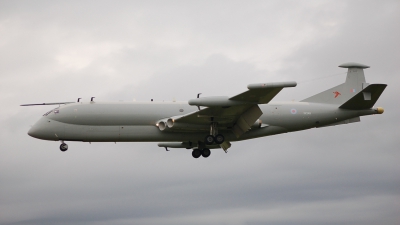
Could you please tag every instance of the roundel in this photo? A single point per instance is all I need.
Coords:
(293, 111)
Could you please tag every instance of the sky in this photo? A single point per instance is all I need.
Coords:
(52, 51)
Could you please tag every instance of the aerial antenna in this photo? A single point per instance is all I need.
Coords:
(92, 99)
(79, 99)
(198, 95)
(56, 103)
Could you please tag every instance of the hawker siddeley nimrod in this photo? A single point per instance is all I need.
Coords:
(205, 123)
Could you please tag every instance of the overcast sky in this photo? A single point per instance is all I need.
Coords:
(53, 51)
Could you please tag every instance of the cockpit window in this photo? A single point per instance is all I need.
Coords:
(56, 110)
(48, 113)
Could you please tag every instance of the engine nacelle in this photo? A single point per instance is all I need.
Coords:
(171, 124)
(167, 123)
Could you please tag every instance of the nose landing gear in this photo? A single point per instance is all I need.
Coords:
(63, 146)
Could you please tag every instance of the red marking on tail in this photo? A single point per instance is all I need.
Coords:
(336, 93)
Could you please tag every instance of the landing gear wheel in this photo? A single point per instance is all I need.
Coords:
(63, 147)
(196, 153)
(206, 152)
(219, 139)
(209, 140)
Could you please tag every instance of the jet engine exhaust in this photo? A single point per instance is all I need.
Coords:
(170, 122)
(162, 125)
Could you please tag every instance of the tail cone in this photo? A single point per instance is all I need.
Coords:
(380, 110)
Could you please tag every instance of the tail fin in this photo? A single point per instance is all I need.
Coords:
(355, 82)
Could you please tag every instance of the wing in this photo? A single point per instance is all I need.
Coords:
(237, 113)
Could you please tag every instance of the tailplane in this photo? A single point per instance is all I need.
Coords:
(341, 94)
(366, 98)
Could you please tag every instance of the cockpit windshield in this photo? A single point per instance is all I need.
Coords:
(48, 113)
(56, 110)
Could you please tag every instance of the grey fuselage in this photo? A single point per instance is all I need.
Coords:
(137, 121)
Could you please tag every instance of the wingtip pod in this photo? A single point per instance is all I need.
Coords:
(380, 110)
(272, 85)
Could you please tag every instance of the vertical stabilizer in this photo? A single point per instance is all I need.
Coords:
(355, 82)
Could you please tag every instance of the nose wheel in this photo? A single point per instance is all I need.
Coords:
(63, 147)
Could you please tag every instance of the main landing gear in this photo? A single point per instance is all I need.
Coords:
(218, 139)
(205, 152)
(211, 139)
(63, 146)
(214, 137)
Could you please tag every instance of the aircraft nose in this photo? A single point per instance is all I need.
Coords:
(46, 129)
(34, 132)
(38, 130)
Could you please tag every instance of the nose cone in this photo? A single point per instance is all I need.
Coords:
(34, 131)
(45, 129)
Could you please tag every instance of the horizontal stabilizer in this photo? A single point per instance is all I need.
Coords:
(366, 98)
